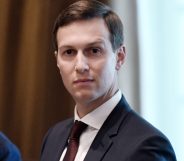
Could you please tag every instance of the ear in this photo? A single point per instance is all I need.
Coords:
(56, 56)
(55, 53)
(121, 54)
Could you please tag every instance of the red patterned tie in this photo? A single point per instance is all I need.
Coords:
(73, 145)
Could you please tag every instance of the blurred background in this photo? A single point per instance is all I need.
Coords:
(32, 96)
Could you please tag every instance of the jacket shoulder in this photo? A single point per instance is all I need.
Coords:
(55, 139)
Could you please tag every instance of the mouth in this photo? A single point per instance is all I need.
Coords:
(82, 81)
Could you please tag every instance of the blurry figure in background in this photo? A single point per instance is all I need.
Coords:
(8, 151)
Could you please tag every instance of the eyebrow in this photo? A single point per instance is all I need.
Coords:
(95, 42)
(65, 47)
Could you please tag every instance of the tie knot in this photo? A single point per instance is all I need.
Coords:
(77, 129)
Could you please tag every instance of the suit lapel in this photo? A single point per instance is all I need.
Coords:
(104, 138)
(63, 141)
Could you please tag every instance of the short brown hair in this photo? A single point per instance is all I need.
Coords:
(88, 9)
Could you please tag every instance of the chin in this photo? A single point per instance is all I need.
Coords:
(84, 97)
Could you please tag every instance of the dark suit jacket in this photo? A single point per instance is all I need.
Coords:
(124, 136)
(8, 151)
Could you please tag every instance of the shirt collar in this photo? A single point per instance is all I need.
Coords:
(97, 117)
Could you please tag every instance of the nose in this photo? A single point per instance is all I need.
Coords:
(81, 64)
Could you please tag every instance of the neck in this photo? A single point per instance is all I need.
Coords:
(85, 108)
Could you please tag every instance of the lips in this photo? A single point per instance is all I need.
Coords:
(85, 80)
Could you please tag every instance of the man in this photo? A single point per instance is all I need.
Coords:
(89, 50)
(8, 151)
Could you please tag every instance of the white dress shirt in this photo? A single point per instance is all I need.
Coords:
(94, 120)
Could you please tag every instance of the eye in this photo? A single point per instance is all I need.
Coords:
(95, 51)
(69, 52)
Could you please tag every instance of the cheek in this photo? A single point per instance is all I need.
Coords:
(106, 72)
(66, 79)
(109, 66)
(64, 72)
(64, 67)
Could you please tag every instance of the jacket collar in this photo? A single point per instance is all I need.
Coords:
(103, 140)
(64, 135)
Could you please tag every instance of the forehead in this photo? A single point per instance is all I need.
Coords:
(83, 31)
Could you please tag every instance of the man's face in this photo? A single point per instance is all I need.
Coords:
(87, 63)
